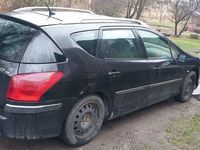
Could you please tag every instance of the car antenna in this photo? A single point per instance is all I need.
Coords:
(50, 11)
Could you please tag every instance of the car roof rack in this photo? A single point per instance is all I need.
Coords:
(56, 9)
(134, 21)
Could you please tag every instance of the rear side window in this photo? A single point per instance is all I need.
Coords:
(42, 50)
(14, 38)
(87, 40)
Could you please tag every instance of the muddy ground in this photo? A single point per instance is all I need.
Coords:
(143, 129)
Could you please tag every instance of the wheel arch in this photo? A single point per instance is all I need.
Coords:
(107, 100)
(196, 70)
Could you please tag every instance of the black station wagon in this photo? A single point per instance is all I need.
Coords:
(65, 73)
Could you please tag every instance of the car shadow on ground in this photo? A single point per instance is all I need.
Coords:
(55, 143)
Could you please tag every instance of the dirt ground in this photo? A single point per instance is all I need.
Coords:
(143, 129)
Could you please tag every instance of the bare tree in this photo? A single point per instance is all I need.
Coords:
(6, 5)
(83, 4)
(1, 5)
(63, 3)
(26, 3)
(107, 7)
(69, 3)
(135, 8)
(9, 5)
(182, 11)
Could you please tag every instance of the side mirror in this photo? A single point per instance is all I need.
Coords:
(181, 58)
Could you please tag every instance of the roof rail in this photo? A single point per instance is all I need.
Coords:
(134, 21)
(58, 9)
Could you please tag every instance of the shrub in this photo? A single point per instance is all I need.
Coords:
(194, 36)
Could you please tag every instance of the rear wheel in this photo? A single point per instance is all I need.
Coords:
(187, 87)
(84, 121)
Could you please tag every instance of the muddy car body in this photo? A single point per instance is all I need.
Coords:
(63, 75)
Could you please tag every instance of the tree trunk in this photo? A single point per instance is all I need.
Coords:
(138, 16)
(128, 10)
(176, 28)
(161, 15)
(139, 13)
(132, 9)
(183, 29)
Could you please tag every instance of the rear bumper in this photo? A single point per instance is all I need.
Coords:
(31, 122)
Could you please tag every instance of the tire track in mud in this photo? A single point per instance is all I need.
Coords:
(127, 141)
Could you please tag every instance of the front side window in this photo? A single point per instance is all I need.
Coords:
(120, 44)
(175, 51)
(87, 40)
(155, 46)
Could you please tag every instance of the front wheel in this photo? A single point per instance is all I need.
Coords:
(84, 121)
(187, 87)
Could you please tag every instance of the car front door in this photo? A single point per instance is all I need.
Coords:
(164, 81)
(126, 70)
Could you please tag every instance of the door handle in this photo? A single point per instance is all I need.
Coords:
(156, 67)
(164, 64)
(114, 74)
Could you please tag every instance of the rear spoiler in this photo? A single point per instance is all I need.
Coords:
(17, 20)
(26, 23)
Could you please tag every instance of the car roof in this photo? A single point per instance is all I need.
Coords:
(40, 16)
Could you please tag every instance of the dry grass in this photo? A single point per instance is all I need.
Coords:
(184, 133)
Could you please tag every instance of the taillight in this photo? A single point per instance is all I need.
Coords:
(31, 87)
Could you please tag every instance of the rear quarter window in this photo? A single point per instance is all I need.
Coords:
(87, 40)
(42, 50)
(14, 38)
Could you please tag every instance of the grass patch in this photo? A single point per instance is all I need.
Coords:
(184, 133)
(164, 24)
(187, 44)
(148, 147)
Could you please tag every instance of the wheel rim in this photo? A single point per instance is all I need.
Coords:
(189, 87)
(86, 119)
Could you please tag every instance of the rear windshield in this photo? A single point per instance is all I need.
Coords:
(14, 39)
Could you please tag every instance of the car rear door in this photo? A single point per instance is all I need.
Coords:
(126, 71)
(164, 81)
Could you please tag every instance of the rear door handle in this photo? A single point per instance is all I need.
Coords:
(156, 67)
(114, 74)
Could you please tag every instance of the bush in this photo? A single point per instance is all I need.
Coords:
(194, 36)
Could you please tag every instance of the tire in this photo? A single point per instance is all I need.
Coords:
(187, 87)
(84, 121)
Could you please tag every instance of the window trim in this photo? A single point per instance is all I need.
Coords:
(53, 42)
(162, 38)
(171, 44)
(98, 35)
(101, 53)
